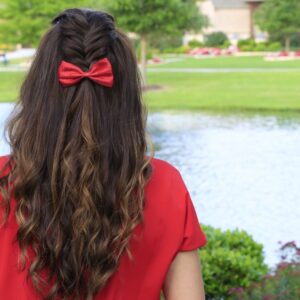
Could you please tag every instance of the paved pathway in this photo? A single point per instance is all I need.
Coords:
(186, 70)
(221, 70)
(13, 69)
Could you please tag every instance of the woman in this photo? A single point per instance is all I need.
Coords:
(86, 214)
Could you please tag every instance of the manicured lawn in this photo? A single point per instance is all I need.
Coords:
(229, 91)
(227, 62)
(257, 90)
(9, 85)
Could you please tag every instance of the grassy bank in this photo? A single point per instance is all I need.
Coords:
(229, 91)
(271, 90)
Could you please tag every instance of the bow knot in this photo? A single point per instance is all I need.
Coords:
(100, 72)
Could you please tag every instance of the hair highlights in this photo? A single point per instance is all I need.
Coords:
(78, 161)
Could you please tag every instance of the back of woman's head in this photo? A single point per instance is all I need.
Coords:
(78, 162)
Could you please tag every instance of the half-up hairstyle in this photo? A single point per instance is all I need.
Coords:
(78, 162)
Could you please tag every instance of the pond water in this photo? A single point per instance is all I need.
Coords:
(242, 171)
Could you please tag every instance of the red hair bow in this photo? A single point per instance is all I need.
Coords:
(100, 72)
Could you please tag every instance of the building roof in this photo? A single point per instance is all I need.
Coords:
(229, 4)
(233, 3)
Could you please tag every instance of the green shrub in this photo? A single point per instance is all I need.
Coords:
(149, 55)
(283, 284)
(275, 46)
(226, 44)
(266, 46)
(169, 50)
(246, 42)
(252, 45)
(230, 259)
(179, 50)
(215, 39)
(182, 50)
(195, 43)
(262, 46)
(247, 48)
(247, 45)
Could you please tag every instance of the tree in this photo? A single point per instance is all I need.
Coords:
(216, 39)
(24, 21)
(153, 18)
(280, 18)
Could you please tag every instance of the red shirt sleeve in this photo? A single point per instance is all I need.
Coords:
(193, 236)
(4, 170)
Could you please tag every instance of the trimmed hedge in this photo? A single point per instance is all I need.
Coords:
(230, 259)
(250, 45)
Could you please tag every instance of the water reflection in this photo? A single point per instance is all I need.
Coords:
(242, 171)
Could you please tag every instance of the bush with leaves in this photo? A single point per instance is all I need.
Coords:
(179, 50)
(251, 45)
(246, 45)
(216, 39)
(282, 284)
(274, 46)
(230, 259)
(261, 46)
(195, 44)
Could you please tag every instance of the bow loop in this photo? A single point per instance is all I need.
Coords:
(100, 72)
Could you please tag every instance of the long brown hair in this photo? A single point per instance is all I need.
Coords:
(78, 157)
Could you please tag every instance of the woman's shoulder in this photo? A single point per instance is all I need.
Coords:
(173, 206)
(4, 169)
(166, 175)
(4, 158)
(164, 169)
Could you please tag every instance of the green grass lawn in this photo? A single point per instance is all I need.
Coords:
(210, 91)
(9, 85)
(229, 91)
(227, 62)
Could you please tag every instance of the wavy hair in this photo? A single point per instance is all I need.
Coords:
(78, 162)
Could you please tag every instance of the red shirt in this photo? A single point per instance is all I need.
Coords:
(170, 225)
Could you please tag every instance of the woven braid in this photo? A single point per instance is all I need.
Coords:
(85, 36)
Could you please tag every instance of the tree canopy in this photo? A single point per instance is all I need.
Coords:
(156, 18)
(150, 17)
(279, 18)
(24, 21)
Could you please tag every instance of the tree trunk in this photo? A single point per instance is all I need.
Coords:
(287, 43)
(144, 59)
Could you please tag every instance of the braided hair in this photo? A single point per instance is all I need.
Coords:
(80, 163)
